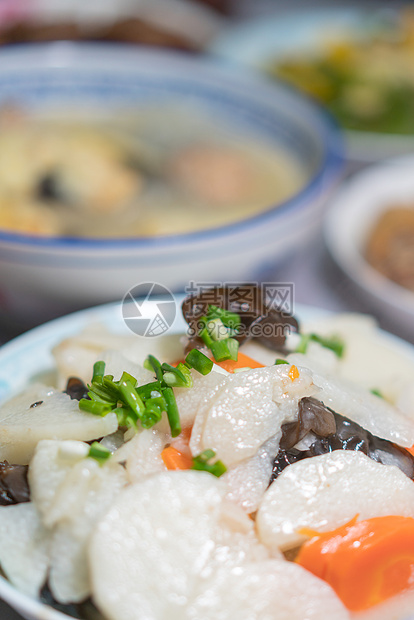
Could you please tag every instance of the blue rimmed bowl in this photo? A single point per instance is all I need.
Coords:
(65, 273)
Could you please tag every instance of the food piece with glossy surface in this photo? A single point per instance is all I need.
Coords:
(327, 491)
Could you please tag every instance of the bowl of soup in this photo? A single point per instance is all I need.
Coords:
(120, 166)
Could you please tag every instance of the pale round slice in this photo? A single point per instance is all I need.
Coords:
(43, 413)
(269, 590)
(248, 408)
(325, 492)
(24, 547)
(163, 538)
(87, 492)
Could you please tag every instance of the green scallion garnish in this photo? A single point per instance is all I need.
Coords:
(201, 463)
(229, 319)
(172, 411)
(220, 350)
(151, 363)
(334, 343)
(233, 346)
(98, 372)
(378, 393)
(179, 376)
(95, 407)
(148, 390)
(98, 452)
(131, 398)
(280, 361)
(200, 362)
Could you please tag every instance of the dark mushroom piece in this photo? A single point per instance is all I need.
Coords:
(332, 431)
(14, 487)
(260, 319)
(76, 389)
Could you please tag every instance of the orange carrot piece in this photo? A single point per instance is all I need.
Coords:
(174, 459)
(293, 372)
(366, 562)
(243, 361)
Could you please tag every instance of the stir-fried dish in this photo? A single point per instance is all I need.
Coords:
(365, 77)
(254, 467)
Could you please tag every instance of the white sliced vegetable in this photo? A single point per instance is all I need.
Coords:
(24, 547)
(269, 590)
(248, 480)
(56, 416)
(161, 540)
(87, 492)
(191, 401)
(144, 454)
(166, 348)
(76, 355)
(325, 492)
(247, 409)
(51, 463)
(371, 359)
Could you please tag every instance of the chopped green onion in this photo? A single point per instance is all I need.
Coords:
(98, 452)
(153, 412)
(244, 369)
(148, 389)
(103, 393)
(131, 398)
(229, 319)
(200, 362)
(186, 371)
(217, 329)
(334, 343)
(233, 346)
(98, 372)
(220, 350)
(158, 401)
(280, 361)
(303, 344)
(378, 393)
(172, 411)
(151, 363)
(126, 417)
(111, 386)
(206, 338)
(177, 377)
(127, 377)
(95, 407)
(201, 463)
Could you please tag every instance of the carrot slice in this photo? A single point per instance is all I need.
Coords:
(243, 361)
(366, 562)
(175, 459)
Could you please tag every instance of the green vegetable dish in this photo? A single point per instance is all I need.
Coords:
(365, 78)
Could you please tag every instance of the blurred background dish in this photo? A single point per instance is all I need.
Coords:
(369, 231)
(239, 122)
(182, 24)
(358, 61)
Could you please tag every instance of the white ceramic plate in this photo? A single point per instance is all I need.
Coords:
(347, 225)
(258, 42)
(30, 354)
